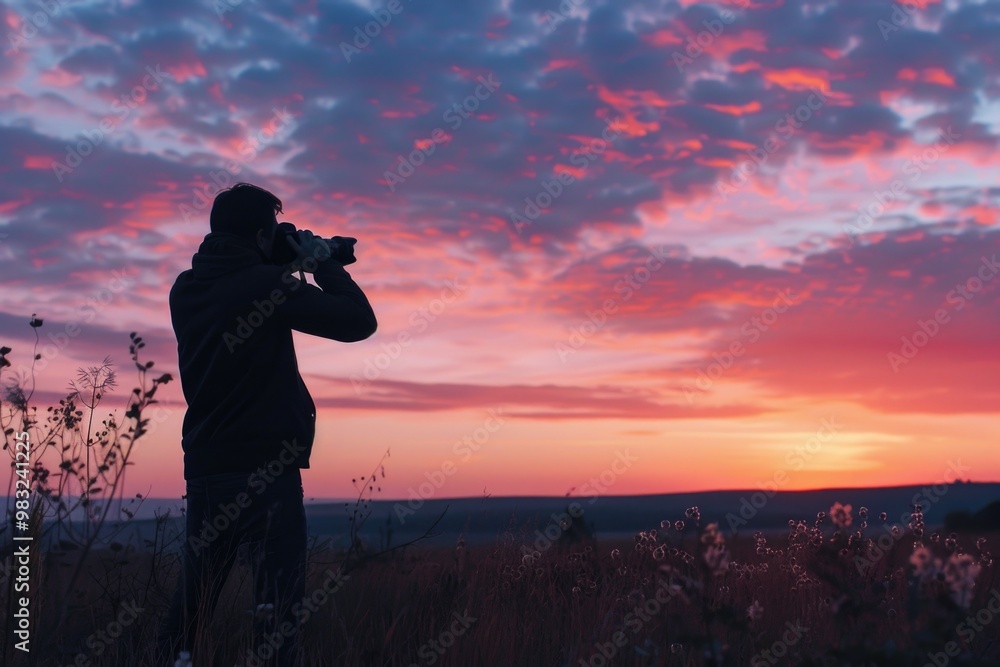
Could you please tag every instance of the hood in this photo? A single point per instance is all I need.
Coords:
(222, 252)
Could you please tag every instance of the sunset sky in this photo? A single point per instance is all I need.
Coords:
(765, 238)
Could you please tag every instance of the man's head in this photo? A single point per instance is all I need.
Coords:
(247, 211)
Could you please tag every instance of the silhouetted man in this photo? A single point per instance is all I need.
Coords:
(250, 420)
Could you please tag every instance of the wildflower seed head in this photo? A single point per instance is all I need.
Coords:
(960, 573)
(840, 515)
(711, 535)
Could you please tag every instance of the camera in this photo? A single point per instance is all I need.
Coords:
(341, 247)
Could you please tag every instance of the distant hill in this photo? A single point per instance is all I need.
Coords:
(482, 520)
(737, 512)
(988, 518)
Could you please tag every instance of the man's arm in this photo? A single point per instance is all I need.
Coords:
(337, 309)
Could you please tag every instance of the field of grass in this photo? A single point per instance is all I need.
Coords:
(677, 595)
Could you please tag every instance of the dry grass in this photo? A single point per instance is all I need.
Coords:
(678, 594)
(562, 607)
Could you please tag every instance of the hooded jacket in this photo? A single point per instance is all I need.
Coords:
(233, 313)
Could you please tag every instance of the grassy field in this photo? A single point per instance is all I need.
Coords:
(817, 596)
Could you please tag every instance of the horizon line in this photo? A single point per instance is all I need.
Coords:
(631, 495)
(679, 493)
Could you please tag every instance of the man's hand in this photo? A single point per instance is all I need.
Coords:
(308, 246)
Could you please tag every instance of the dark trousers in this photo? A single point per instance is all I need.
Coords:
(223, 511)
